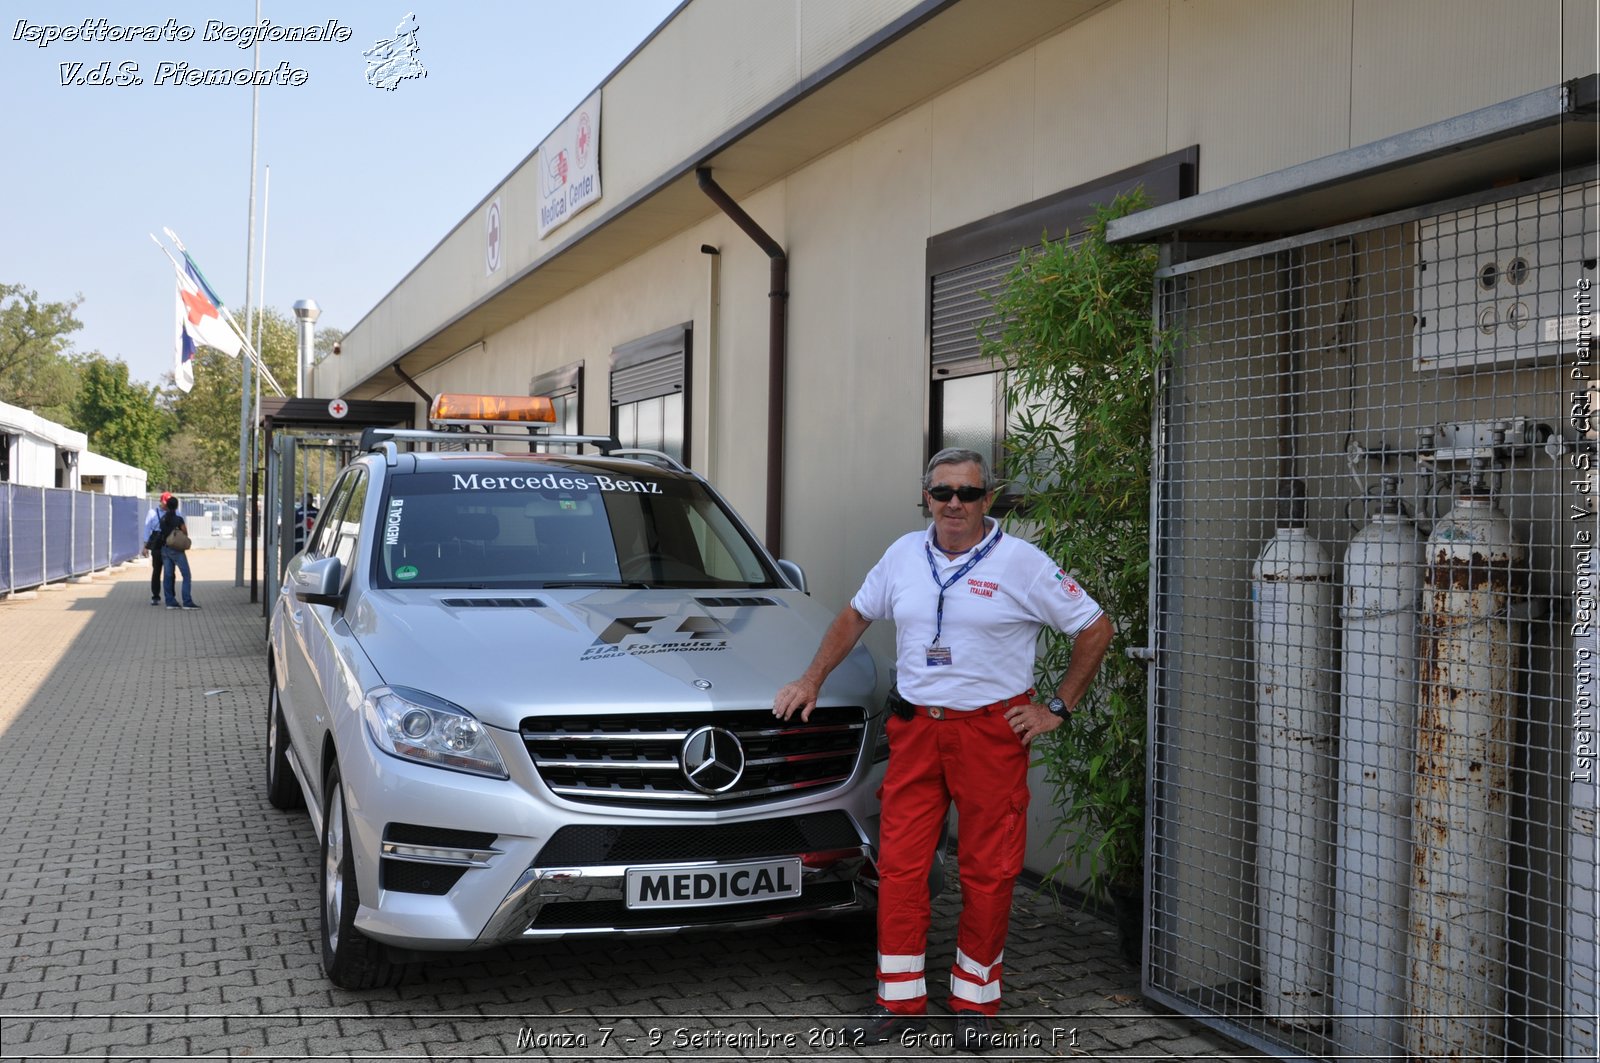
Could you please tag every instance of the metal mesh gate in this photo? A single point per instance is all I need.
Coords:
(1372, 806)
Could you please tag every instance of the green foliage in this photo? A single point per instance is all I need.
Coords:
(1081, 350)
(204, 456)
(120, 416)
(36, 372)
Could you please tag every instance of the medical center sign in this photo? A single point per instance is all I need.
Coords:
(569, 166)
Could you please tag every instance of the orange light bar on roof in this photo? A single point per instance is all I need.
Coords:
(449, 408)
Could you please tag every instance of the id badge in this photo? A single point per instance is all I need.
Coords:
(939, 657)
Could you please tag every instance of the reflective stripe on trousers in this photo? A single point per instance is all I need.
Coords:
(980, 764)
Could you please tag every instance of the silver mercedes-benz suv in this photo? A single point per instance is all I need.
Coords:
(528, 695)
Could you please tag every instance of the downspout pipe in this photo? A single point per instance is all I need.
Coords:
(427, 400)
(777, 349)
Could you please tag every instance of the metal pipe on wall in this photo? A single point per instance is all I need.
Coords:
(777, 348)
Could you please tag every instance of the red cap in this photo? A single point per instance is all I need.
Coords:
(164, 496)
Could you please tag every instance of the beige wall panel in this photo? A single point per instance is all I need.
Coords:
(1101, 95)
(828, 27)
(982, 160)
(1259, 86)
(1426, 60)
(858, 380)
(708, 69)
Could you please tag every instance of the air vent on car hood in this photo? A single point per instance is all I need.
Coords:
(493, 603)
(733, 603)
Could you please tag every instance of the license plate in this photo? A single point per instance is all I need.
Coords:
(691, 887)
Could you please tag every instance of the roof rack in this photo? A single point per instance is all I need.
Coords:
(373, 439)
(647, 454)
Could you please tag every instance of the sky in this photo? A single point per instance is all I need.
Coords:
(364, 181)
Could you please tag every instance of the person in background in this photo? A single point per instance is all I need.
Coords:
(152, 545)
(967, 601)
(174, 560)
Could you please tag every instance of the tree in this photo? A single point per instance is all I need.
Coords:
(35, 339)
(121, 417)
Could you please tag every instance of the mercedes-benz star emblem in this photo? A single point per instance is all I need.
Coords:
(712, 759)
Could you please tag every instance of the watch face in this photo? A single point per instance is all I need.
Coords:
(1056, 706)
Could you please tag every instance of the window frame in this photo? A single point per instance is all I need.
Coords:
(999, 241)
(562, 383)
(642, 370)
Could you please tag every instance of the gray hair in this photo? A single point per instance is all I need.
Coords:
(959, 456)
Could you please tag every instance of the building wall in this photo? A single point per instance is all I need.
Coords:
(1257, 86)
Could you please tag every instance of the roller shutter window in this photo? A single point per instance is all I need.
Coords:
(967, 266)
(650, 392)
(564, 388)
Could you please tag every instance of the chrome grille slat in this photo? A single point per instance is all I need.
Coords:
(634, 759)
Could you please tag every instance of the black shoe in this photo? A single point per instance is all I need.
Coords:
(155, 601)
(975, 1031)
(880, 1025)
(191, 605)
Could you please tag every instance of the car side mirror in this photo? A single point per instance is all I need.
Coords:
(320, 582)
(796, 575)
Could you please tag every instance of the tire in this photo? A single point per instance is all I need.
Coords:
(350, 959)
(283, 789)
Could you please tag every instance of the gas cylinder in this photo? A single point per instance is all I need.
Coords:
(1467, 648)
(1372, 876)
(1292, 592)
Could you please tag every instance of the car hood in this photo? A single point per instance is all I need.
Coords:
(503, 655)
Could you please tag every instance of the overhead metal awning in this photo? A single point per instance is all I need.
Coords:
(1526, 137)
(286, 413)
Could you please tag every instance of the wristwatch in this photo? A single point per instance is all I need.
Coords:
(1057, 707)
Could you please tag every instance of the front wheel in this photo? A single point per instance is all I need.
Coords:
(350, 959)
(283, 789)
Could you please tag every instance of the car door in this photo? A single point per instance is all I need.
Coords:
(305, 703)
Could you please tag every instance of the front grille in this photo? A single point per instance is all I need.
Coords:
(594, 914)
(590, 845)
(634, 759)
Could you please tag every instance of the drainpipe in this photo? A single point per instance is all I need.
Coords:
(777, 349)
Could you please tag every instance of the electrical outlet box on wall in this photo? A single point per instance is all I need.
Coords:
(1499, 284)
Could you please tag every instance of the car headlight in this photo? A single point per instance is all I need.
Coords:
(416, 726)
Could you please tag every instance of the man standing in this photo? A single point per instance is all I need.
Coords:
(152, 545)
(968, 602)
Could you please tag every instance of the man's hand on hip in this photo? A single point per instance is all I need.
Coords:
(1030, 721)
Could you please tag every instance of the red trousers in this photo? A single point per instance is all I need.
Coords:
(976, 760)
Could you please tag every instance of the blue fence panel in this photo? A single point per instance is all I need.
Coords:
(127, 524)
(27, 537)
(57, 534)
(101, 506)
(5, 538)
(82, 533)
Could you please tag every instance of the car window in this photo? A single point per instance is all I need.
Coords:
(323, 536)
(347, 522)
(540, 526)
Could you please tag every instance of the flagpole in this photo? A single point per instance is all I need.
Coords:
(246, 435)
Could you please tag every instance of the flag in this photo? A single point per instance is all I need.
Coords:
(202, 323)
(183, 349)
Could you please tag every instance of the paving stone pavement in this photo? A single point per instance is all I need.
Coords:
(154, 906)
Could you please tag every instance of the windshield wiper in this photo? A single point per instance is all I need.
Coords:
(620, 585)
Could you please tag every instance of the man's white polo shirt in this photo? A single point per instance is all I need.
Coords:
(992, 616)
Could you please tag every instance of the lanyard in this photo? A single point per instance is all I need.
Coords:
(944, 585)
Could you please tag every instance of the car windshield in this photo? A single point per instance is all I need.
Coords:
(538, 526)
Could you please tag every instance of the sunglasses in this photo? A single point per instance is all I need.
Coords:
(944, 493)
